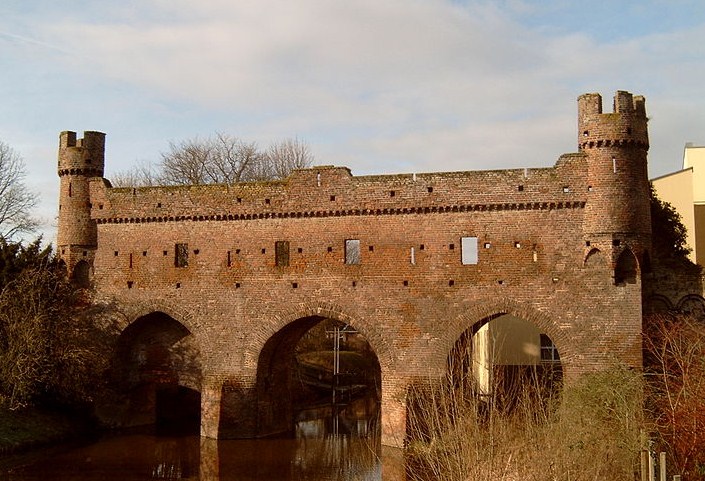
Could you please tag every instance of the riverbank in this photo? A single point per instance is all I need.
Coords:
(22, 431)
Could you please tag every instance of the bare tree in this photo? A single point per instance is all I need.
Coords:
(675, 366)
(141, 175)
(219, 159)
(285, 156)
(16, 200)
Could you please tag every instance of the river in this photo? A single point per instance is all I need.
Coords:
(328, 444)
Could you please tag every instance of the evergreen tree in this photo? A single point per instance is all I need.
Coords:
(668, 232)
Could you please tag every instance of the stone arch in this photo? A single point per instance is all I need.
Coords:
(130, 313)
(81, 274)
(657, 303)
(370, 330)
(626, 268)
(693, 305)
(158, 373)
(275, 392)
(482, 312)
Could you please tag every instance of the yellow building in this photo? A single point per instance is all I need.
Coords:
(685, 191)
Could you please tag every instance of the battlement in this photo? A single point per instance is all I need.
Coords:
(84, 156)
(91, 140)
(624, 102)
(624, 126)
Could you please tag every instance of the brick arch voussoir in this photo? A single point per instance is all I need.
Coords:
(471, 315)
(278, 321)
(183, 316)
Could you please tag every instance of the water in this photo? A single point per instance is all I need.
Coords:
(330, 444)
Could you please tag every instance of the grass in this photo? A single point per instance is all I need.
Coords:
(23, 430)
(592, 432)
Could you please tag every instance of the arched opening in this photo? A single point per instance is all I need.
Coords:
(81, 274)
(625, 270)
(692, 305)
(657, 304)
(158, 372)
(504, 360)
(317, 377)
(595, 259)
(504, 377)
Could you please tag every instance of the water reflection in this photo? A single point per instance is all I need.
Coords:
(340, 443)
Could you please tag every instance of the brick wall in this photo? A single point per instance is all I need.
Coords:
(411, 295)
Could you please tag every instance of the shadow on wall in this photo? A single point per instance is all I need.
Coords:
(156, 372)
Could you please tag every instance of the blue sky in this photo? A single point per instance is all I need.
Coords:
(378, 86)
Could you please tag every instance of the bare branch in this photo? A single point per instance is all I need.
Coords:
(16, 200)
(141, 175)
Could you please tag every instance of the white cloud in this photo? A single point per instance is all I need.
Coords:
(378, 86)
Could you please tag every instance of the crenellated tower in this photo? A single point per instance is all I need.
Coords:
(617, 213)
(79, 160)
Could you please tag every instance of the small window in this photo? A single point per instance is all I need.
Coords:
(281, 253)
(549, 352)
(181, 255)
(468, 250)
(352, 251)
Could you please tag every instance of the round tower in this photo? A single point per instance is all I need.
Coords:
(79, 160)
(617, 212)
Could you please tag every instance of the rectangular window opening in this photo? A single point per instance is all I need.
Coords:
(181, 255)
(468, 251)
(281, 253)
(352, 251)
